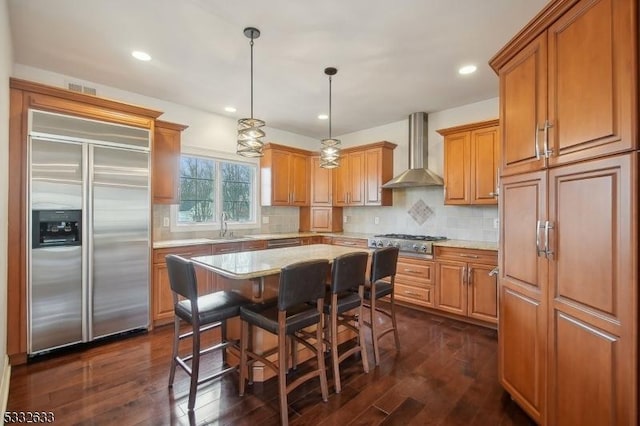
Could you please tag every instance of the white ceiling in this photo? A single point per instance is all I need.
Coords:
(393, 57)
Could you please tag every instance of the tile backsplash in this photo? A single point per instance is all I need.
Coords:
(422, 211)
(415, 211)
(280, 219)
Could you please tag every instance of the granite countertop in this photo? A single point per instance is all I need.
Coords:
(478, 245)
(261, 263)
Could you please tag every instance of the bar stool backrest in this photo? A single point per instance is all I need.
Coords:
(349, 271)
(182, 278)
(384, 263)
(302, 282)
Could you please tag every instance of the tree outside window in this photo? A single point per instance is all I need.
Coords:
(209, 186)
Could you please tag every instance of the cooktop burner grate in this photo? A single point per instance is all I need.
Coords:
(411, 237)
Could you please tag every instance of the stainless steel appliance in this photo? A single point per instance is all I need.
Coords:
(89, 227)
(411, 244)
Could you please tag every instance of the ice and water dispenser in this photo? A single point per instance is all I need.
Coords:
(55, 228)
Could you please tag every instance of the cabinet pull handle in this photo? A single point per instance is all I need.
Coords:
(547, 252)
(494, 272)
(410, 293)
(536, 148)
(347, 243)
(539, 251)
(497, 191)
(226, 250)
(472, 256)
(411, 271)
(546, 127)
(470, 275)
(464, 275)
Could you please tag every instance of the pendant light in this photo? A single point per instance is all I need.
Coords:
(249, 132)
(330, 148)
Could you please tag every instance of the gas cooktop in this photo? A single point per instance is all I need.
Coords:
(411, 237)
(421, 244)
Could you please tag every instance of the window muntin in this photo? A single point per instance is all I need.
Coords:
(209, 186)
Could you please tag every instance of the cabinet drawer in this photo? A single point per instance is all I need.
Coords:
(225, 248)
(418, 295)
(415, 271)
(184, 251)
(349, 242)
(253, 245)
(467, 255)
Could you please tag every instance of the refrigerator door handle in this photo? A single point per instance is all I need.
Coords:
(87, 255)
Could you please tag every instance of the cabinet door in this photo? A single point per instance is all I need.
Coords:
(356, 178)
(485, 159)
(522, 328)
(482, 293)
(451, 292)
(523, 107)
(341, 182)
(166, 165)
(299, 180)
(321, 184)
(457, 166)
(592, 292)
(592, 94)
(162, 297)
(281, 176)
(372, 177)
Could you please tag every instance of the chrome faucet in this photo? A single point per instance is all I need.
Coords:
(223, 224)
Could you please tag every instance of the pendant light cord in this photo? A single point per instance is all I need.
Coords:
(329, 107)
(251, 74)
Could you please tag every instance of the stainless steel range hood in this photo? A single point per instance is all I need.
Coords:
(418, 174)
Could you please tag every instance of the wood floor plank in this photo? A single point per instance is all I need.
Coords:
(444, 374)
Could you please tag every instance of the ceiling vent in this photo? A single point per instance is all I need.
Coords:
(77, 87)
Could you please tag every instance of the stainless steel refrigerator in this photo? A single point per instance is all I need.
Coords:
(89, 230)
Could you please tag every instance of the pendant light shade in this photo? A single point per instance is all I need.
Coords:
(330, 148)
(249, 132)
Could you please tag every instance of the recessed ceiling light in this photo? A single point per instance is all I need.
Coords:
(467, 69)
(140, 55)
(322, 116)
(230, 109)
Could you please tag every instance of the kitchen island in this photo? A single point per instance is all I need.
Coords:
(255, 275)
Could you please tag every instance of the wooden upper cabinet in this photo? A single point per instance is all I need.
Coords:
(166, 162)
(285, 176)
(321, 184)
(362, 172)
(568, 93)
(471, 162)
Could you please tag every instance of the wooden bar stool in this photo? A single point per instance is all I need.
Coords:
(203, 313)
(348, 276)
(383, 273)
(299, 305)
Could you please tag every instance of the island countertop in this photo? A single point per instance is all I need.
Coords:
(262, 263)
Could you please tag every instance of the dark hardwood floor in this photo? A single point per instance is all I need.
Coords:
(445, 374)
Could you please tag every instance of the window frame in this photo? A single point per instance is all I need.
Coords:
(215, 225)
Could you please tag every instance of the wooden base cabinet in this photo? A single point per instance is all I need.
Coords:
(415, 279)
(465, 285)
(162, 303)
(568, 292)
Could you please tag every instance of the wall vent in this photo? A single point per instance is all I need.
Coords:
(76, 87)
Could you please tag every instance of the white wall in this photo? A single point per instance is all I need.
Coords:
(6, 60)
(467, 222)
(206, 130)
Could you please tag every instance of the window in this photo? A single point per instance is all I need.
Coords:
(210, 186)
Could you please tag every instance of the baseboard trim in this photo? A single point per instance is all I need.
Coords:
(4, 385)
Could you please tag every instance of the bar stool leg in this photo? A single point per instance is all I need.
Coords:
(195, 366)
(394, 323)
(174, 352)
(374, 326)
(243, 367)
(333, 336)
(282, 375)
(361, 335)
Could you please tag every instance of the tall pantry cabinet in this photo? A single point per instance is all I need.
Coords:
(568, 344)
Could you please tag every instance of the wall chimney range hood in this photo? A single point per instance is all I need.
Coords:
(418, 174)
